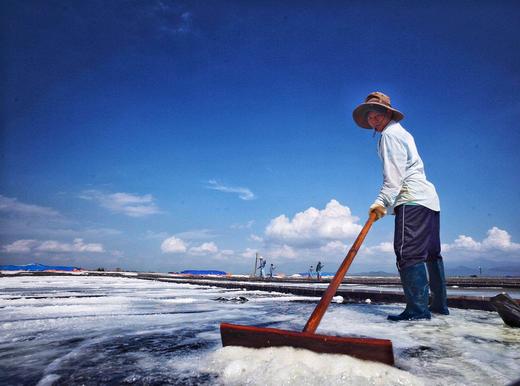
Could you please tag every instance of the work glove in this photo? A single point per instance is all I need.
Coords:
(379, 210)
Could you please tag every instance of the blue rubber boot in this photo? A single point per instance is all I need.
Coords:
(439, 304)
(415, 287)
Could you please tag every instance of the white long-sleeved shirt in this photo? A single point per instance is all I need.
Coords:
(404, 180)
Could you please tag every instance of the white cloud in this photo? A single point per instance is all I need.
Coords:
(22, 220)
(243, 193)
(247, 225)
(334, 247)
(497, 240)
(52, 246)
(497, 245)
(173, 245)
(131, 205)
(224, 254)
(248, 253)
(254, 237)
(314, 227)
(20, 246)
(204, 249)
(77, 246)
(384, 247)
(462, 242)
(15, 207)
(282, 251)
(309, 235)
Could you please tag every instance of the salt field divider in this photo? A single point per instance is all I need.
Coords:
(279, 285)
(349, 295)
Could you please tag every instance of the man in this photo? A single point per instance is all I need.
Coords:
(271, 270)
(412, 198)
(261, 267)
(319, 266)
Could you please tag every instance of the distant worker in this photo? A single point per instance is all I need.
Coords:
(261, 267)
(412, 198)
(319, 267)
(271, 270)
(311, 270)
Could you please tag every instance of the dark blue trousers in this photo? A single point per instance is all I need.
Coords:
(416, 236)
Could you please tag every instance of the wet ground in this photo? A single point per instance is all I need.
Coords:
(103, 330)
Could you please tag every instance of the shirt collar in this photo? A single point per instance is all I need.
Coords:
(390, 124)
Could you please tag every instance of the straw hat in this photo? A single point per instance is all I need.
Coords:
(376, 101)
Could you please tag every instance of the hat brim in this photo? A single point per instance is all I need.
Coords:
(360, 113)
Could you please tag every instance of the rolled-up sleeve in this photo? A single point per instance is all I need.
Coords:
(393, 154)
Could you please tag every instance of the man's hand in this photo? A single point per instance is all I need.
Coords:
(379, 210)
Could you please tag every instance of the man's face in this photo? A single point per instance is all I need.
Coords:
(377, 120)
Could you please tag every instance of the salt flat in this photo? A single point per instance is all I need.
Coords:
(107, 330)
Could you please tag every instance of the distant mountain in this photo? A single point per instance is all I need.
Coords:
(488, 268)
(373, 273)
(461, 270)
(501, 270)
(331, 274)
(512, 270)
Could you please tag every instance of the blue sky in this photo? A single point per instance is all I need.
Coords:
(162, 136)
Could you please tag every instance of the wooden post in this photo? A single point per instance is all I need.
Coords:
(256, 265)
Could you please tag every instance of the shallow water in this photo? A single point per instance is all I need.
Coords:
(100, 330)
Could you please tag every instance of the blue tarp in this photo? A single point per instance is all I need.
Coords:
(202, 272)
(37, 267)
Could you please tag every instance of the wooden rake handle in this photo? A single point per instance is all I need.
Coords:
(321, 308)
